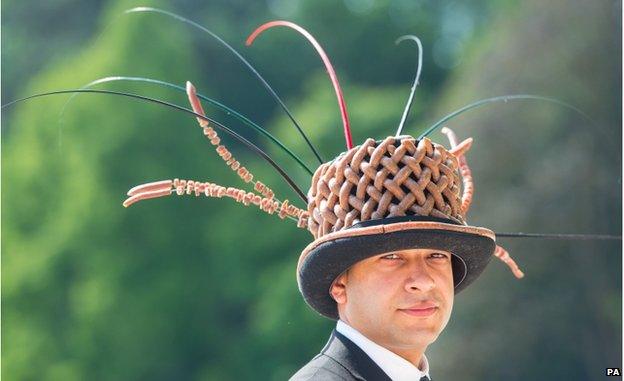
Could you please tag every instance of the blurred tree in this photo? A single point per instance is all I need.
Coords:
(541, 168)
(194, 289)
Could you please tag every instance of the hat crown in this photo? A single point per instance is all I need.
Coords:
(390, 178)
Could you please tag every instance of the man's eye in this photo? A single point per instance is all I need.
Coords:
(439, 255)
(391, 256)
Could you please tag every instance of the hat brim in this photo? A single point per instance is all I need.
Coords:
(330, 255)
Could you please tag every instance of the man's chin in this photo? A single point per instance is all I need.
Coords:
(412, 340)
(417, 332)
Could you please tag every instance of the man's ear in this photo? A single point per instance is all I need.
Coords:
(338, 289)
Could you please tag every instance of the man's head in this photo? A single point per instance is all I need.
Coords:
(384, 296)
(391, 196)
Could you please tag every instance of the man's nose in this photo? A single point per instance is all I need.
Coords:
(419, 278)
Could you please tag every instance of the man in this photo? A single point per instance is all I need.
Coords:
(391, 307)
(391, 249)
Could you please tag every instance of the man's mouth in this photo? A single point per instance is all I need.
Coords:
(421, 309)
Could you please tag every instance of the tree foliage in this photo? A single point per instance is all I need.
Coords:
(203, 289)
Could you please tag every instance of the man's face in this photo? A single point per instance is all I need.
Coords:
(385, 296)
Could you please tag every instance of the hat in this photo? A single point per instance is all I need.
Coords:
(383, 196)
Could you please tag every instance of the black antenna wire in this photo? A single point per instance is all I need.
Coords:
(220, 126)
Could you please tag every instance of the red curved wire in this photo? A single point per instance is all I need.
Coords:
(328, 66)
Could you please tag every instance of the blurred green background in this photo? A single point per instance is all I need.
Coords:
(203, 289)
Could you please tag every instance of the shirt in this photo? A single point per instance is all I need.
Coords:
(395, 366)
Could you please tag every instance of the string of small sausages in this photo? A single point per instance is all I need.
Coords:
(504, 256)
(221, 149)
(265, 200)
(459, 150)
(188, 187)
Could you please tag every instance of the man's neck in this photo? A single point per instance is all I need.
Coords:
(412, 354)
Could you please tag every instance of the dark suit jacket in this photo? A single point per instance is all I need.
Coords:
(341, 360)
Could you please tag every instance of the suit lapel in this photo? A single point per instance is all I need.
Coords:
(353, 358)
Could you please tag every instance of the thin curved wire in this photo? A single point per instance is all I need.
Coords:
(326, 62)
(220, 126)
(215, 103)
(241, 58)
(504, 98)
(408, 106)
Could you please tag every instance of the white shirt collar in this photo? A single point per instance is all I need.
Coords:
(395, 366)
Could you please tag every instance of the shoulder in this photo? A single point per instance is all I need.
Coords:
(321, 368)
(340, 360)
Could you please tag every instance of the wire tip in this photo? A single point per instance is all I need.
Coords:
(195, 103)
(252, 36)
(190, 88)
(461, 148)
(408, 37)
(149, 187)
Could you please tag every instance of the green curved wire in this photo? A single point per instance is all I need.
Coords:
(410, 100)
(504, 98)
(213, 102)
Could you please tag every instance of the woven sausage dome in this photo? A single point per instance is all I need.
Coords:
(390, 178)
